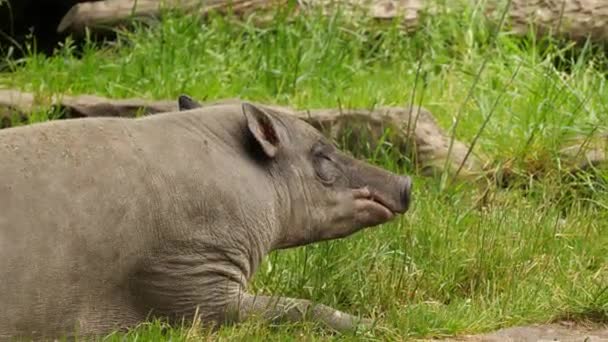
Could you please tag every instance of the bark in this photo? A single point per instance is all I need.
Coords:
(575, 19)
(585, 153)
(101, 15)
(51, 21)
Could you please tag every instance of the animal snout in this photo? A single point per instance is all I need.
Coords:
(406, 193)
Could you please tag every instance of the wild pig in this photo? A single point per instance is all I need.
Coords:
(106, 222)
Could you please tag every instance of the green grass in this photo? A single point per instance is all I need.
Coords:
(455, 263)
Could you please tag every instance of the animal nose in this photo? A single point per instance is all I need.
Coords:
(406, 193)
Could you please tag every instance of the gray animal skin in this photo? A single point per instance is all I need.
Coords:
(108, 222)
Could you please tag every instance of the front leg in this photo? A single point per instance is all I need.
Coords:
(294, 310)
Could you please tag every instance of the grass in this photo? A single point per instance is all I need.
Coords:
(455, 263)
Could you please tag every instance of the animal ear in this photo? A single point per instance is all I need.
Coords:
(263, 127)
(185, 102)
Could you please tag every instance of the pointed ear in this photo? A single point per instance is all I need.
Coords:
(185, 102)
(263, 127)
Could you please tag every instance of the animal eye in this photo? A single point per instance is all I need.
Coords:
(326, 170)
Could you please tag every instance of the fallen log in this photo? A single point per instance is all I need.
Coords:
(412, 132)
(585, 152)
(52, 21)
(103, 15)
(573, 19)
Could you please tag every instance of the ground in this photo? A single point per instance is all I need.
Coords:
(468, 258)
(562, 331)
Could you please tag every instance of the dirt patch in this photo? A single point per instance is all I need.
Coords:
(562, 331)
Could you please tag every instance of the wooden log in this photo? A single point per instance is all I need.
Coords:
(101, 15)
(51, 21)
(585, 152)
(574, 19)
(413, 131)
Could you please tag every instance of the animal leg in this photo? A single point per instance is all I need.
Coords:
(295, 310)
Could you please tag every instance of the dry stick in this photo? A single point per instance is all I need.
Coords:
(484, 123)
(561, 16)
(469, 94)
(134, 7)
(8, 37)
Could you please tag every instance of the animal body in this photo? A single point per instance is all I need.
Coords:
(108, 222)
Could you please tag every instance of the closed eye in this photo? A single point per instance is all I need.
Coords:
(326, 169)
(326, 157)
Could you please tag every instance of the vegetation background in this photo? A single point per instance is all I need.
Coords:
(464, 259)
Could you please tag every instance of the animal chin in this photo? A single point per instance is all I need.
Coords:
(379, 207)
(377, 210)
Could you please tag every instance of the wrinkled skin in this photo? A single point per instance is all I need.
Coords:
(107, 222)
